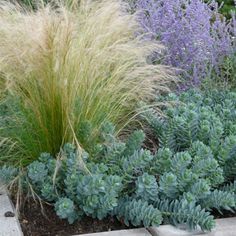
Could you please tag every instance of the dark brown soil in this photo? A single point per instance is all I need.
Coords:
(223, 214)
(34, 223)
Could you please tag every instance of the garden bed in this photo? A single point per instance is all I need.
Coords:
(107, 128)
(35, 222)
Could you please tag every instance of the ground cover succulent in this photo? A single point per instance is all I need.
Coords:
(191, 174)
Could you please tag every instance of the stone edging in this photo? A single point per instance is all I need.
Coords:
(9, 224)
(224, 227)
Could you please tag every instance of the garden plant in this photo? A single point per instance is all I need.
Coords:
(198, 39)
(191, 174)
(65, 71)
(227, 7)
(92, 122)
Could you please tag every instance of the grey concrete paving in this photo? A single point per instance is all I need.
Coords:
(169, 230)
(5, 204)
(9, 226)
(131, 232)
(224, 227)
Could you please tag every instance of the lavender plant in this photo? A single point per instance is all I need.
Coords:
(197, 37)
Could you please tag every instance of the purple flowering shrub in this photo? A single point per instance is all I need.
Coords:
(197, 38)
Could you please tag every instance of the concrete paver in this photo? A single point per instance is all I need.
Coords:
(5, 204)
(224, 227)
(130, 232)
(9, 226)
(169, 230)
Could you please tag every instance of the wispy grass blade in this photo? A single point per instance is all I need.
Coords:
(72, 65)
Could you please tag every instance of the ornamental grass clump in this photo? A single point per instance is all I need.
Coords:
(197, 37)
(66, 70)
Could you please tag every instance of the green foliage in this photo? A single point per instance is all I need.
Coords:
(162, 161)
(229, 187)
(227, 155)
(197, 151)
(138, 212)
(65, 209)
(168, 185)
(192, 173)
(37, 4)
(205, 165)
(110, 149)
(200, 189)
(125, 187)
(219, 200)
(228, 7)
(7, 174)
(229, 69)
(203, 125)
(184, 212)
(97, 195)
(226, 77)
(47, 190)
(147, 187)
(37, 171)
(135, 164)
(33, 3)
(91, 194)
(134, 142)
